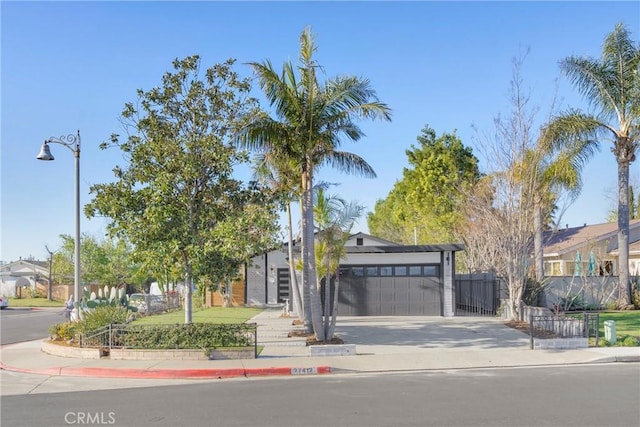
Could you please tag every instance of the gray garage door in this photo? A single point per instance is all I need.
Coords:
(402, 291)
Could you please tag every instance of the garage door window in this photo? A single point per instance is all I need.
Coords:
(431, 270)
(415, 270)
(391, 271)
(372, 271)
(386, 270)
(358, 271)
(401, 270)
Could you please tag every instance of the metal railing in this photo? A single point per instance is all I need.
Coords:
(205, 336)
(561, 326)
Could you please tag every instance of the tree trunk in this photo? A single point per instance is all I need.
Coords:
(624, 292)
(537, 241)
(308, 256)
(187, 294)
(327, 305)
(297, 300)
(334, 311)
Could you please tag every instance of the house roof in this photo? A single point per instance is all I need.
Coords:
(404, 249)
(10, 265)
(376, 239)
(562, 241)
(634, 248)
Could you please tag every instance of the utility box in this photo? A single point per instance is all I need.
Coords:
(610, 331)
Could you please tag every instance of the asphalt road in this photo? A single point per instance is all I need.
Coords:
(23, 324)
(584, 395)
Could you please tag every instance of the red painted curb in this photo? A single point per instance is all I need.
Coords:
(170, 373)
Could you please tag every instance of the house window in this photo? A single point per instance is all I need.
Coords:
(359, 241)
(372, 271)
(553, 268)
(634, 268)
(606, 268)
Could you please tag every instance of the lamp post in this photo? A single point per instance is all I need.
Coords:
(72, 142)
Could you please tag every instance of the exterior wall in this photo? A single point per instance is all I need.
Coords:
(448, 309)
(366, 241)
(216, 299)
(598, 291)
(261, 282)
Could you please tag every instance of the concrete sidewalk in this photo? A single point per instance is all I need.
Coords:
(383, 344)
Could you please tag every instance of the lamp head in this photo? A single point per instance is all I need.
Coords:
(45, 153)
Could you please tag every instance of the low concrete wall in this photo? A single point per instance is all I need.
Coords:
(560, 343)
(332, 350)
(51, 347)
(55, 349)
(147, 354)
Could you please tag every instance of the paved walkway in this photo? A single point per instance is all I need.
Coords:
(383, 344)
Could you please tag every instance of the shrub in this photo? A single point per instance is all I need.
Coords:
(63, 331)
(195, 335)
(629, 341)
(102, 316)
(572, 303)
(635, 293)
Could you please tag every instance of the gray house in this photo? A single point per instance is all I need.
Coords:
(377, 277)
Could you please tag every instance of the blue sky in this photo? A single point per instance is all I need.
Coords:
(73, 65)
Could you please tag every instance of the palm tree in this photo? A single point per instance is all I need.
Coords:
(334, 219)
(611, 84)
(551, 171)
(312, 120)
(283, 178)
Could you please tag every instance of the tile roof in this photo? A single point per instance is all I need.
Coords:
(567, 239)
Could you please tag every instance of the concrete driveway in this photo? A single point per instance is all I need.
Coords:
(404, 334)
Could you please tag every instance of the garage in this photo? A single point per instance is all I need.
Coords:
(377, 278)
(390, 291)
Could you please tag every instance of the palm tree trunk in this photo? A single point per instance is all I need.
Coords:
(327, 305)
(334, 310)
(297, 300)
(624, 291)
(308, 255)
(537, 241)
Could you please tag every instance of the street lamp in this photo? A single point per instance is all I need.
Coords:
(72, 142)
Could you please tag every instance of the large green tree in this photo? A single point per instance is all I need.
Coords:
(312, 120)
(611, 84)
(109, 262)
(423, 207)
(177, 198)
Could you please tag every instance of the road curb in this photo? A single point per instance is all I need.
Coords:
(218, 373)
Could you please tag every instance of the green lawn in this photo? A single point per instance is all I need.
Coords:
(627, 322)
(34, 302)
(205, 315)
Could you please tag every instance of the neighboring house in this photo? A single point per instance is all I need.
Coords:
(377, 277)
(16, 278)
(590, 250)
